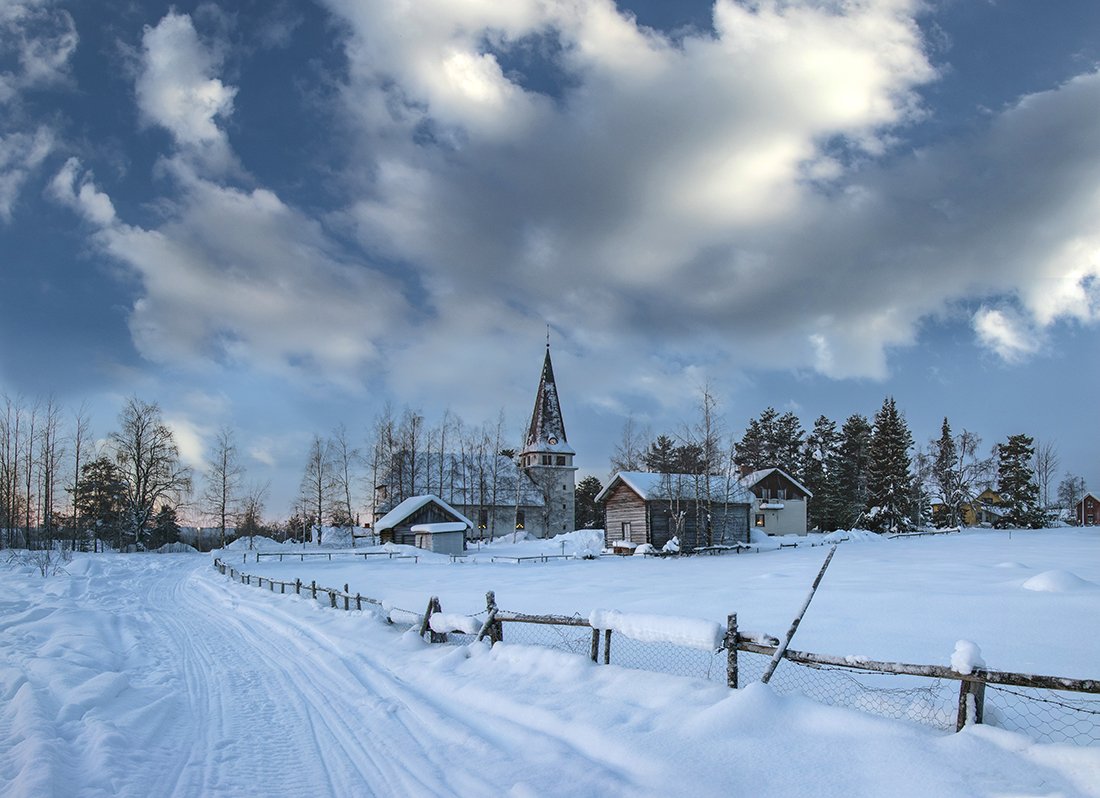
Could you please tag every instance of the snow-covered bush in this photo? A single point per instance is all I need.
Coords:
(672, 547)
(587, 543)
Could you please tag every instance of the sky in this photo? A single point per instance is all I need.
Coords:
(280, 217)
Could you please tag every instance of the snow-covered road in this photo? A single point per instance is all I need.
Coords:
(156, 676)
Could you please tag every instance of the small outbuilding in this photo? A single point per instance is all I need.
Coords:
(444, 538)
(429, 512)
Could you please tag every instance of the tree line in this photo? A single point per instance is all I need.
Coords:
(865, 473)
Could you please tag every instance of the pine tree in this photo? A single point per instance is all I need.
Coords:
(661, 456)
(1016, 483)
(821, 460)
(890, 484)
(588, 513)
(945, 474)
(852, 471)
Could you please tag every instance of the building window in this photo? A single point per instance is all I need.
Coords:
(781, 494)
(765, 493)
(482, 518)
(626, 530)
(561, 459)
(546, 459)
(760, 519)
(519, 519)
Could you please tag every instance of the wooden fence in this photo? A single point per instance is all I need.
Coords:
(972, 686)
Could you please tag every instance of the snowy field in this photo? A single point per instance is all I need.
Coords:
(153, 675)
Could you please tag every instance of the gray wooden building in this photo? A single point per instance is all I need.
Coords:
(644, 507)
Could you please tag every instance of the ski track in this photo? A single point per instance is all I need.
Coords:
(202, 684)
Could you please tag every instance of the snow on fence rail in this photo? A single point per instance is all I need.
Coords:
(1047, 708)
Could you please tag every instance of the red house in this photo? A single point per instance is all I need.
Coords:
(1087, 510)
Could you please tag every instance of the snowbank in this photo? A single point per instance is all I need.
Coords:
(1058, 582)
(689, 632)
(444, 622)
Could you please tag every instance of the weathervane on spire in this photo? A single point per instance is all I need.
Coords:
(548, 335)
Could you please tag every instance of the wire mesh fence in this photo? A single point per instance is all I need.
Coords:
(927, 701)
(1052, 716)
(921, 696)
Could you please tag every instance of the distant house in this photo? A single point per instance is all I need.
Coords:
(448, 537)
(1085, 513)
(984, 509)
(779, 501)
(429, 513)
(644, 507)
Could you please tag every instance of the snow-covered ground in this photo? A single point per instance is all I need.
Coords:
(153, 675)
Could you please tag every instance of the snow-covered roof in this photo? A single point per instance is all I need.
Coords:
(445, 526)
(652, 485)
(750, 480)
(410, 506)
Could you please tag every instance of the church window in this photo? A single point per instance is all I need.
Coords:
(561, 459)
(546, 459)
(482, 518)
(519, 519)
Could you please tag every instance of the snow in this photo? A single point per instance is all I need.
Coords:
(967, 657)
(689, 632)
(144, 674)
(1058, 581)
(445, 622)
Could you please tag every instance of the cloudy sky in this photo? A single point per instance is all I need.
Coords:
(281, 215)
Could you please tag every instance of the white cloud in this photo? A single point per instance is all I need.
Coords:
(241, 279)
(20, 154)
(744, 184)
(178, 91)
(1006, 333)
(40, 39)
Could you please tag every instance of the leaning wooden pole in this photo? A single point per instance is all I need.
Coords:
(782, 649)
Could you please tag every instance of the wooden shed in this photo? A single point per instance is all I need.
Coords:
(444, 538)
(643, 507)
(396, 526)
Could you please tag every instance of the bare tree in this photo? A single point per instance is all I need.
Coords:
(10, 447)
(630, 450)
(50, 452)
(252, 511)
(346, 460)
(149, 462)
(317, 482)
(82, 444)
(1046, 466)
(223, 481)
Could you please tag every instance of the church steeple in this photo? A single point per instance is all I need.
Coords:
(546, 432)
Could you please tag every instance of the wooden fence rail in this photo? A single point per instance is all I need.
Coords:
(971, 685)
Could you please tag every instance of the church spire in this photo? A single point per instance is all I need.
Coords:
(546, 432)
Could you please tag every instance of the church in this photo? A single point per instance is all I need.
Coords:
(503, 493)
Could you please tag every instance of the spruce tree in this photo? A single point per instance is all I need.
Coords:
(819, 473)
(890, 483)
(851, 471)
(945, 474)
(1016, 483)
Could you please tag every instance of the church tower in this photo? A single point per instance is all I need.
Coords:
(547, 457)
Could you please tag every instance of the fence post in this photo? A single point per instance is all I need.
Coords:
(594, 655)
(313, 588)
(606, 646)
(346, 598)
(731, 650)
(297, 587)
(332, 597)
(358, 602)
(970, 713)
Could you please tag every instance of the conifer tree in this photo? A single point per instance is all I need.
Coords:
(945, 475)
(852, 471)
(820, 474)
(890, 483)
(1016, 483)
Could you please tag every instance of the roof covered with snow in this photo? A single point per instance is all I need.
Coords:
(411, 505)
(749, 481)
(446, 526)
(652, 485)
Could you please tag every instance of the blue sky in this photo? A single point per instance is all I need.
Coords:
(281, 216)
